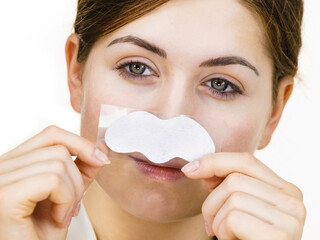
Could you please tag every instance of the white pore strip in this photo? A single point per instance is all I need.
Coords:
(159, 140)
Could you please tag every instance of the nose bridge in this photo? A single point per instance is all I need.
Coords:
(175, 98)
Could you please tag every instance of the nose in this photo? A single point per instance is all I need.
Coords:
(175, 98)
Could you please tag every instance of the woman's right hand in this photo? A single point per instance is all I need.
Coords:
(41, 186)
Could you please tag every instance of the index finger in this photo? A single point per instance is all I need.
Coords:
(53, 135)
(223, 164)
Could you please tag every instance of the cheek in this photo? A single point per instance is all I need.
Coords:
(239, 140)
(242, 135)
(234, 131)
(97, 90)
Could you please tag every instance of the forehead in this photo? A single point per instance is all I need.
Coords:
(200, 28)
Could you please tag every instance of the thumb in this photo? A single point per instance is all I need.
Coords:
(88, 171)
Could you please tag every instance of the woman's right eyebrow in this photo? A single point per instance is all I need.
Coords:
(220, 61)
(141, 43)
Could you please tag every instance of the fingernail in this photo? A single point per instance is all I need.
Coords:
(207, 229)
(191, 167)
(101, 156)
(77, 209)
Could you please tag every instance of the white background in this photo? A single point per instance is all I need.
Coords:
(34, 93)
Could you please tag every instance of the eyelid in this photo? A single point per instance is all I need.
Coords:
(223, 95)
(230, 80)
(135, 59)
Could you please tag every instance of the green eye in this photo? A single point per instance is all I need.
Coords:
(219, 84)
(137, 68)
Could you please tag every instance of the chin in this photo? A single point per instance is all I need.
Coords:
(159, 206)
(149, 199)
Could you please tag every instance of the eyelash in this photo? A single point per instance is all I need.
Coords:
(129, 75)
(224, 94)
(221, 94)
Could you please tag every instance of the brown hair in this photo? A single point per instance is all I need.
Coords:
(281, 20)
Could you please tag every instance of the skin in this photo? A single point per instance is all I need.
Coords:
(231, 192)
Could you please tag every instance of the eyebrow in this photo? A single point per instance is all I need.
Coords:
(220, 61)
(141, 43)
(229, 60)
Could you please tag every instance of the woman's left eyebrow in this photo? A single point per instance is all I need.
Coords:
(220, 61)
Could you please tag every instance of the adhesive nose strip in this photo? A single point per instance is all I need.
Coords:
(159, 140)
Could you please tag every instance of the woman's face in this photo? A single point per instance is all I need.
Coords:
(212, 65)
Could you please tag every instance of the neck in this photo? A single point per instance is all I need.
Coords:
(112, 222)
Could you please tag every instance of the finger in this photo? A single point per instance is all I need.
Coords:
(240, 225)
(223, 164)
(259, 209)
(9, 165)
(56, 158)
(237, 182)
(26, 193)
(52, 135)
(48, 166)
(88, 172)
(86, 151)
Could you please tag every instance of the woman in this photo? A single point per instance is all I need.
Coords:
(229, 62)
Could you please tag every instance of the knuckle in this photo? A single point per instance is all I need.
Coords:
(51, 129)
(293, 190)
(297, 192)
(233, 179)
(232, 219)
(62, 151)
(69, 198)
(300, 211)
(303, 212)
(294, 223)
(248, 158)
(58, 166)
(87, 144)
(296, 207)
(234, 199)
(54, 179)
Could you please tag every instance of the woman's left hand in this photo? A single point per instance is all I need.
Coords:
(252, 202)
